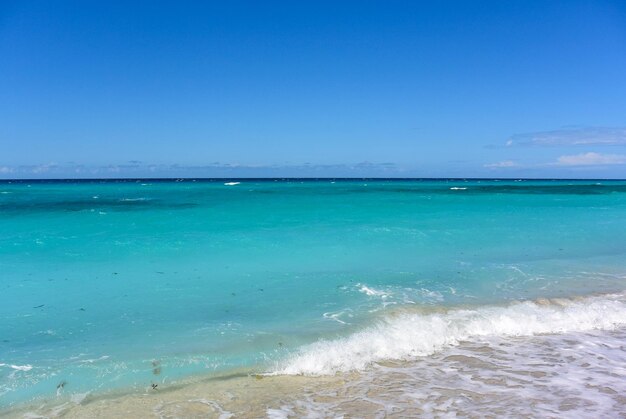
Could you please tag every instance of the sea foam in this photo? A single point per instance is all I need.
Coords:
(409, 334)
(18, 367)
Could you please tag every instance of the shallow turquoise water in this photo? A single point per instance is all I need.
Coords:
(118, 284)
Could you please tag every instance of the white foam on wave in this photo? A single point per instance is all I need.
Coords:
(372, 292)
(570, 375)
(94, 360)
(336, 316)
(407, 335)
(26, 367)
(231, 183)
(456, 188)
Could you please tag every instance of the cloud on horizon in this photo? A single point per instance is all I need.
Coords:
(216, 169)
(572, 160)
(580, 136)
(502, 164)
(591, 159)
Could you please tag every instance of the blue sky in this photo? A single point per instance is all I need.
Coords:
(363, 88)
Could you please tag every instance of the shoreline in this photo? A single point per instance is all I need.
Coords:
(547, 374)
(240, 391)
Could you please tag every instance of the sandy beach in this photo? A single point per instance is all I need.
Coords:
(570, 375)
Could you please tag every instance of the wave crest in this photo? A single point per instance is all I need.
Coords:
(407, 335)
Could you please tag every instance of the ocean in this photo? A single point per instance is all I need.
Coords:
(319, 297)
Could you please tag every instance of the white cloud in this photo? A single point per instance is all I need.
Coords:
(596, 136)
(591, 159)
(501, 164)
(216, 169)
(43, 168)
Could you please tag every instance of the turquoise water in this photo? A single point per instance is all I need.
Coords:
(119, 284)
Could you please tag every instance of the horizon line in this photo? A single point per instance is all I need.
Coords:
(374, 178)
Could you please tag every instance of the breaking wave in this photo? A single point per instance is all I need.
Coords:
(404, 335)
